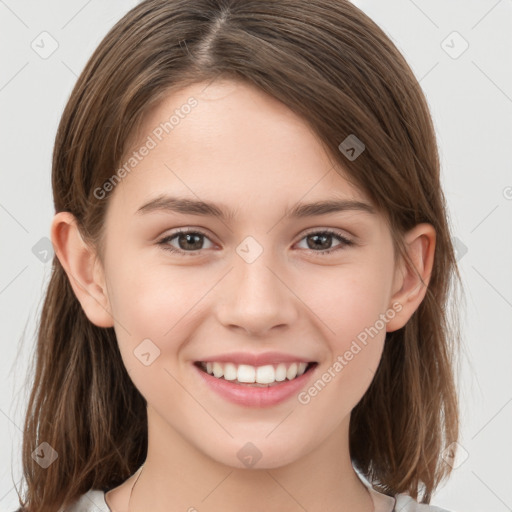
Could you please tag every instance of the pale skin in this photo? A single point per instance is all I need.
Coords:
(246, 151)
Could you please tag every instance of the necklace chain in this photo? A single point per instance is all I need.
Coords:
(133, 487)
(142, 468)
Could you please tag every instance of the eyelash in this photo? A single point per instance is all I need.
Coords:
(164, 242)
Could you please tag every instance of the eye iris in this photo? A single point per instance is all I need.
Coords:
(188, 237)
(324, 236)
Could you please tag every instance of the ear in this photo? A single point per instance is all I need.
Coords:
(408, 289)
(83, 268)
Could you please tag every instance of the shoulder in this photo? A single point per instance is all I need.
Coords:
(405, 503)
(91, 501)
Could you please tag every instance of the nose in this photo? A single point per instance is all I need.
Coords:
(256, 298)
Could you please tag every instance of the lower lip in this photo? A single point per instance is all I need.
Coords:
(254, 396)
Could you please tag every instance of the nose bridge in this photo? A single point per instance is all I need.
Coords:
(256, 298)
(256, 282)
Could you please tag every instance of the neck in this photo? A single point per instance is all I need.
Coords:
(177, 476)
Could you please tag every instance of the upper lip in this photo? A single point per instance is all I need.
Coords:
(256, 359)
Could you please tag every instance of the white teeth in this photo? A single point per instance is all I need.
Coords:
(245, 373)
(302, 368)
(218, 371)
(292, 371)
(230, 372)
(265, 374)
(281, 372)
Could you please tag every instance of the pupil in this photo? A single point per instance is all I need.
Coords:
(324, 237)
(188, 237)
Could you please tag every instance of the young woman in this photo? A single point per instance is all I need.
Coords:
(248, 305)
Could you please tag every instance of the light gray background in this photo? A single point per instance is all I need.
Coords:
(470, 95)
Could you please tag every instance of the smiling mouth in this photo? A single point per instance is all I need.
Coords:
(261, 376)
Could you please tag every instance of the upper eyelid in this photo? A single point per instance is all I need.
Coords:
(337, 231)
(192, 230)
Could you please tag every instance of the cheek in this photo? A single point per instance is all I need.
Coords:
(354, 315)
(153, 311)
(149, 298)
(159, 303)
(349, 300)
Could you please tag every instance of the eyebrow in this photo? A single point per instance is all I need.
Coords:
(206, 208)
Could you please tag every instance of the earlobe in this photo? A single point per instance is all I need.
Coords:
(411, 283)
(83, 269)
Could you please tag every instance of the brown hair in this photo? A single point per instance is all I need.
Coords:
(333, 66)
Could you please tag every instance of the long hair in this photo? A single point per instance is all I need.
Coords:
(333, 66)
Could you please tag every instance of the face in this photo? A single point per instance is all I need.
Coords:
(261, 280)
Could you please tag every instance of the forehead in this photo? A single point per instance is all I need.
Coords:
(229, 142)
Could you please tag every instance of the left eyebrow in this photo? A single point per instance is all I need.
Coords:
(205, 208)
(302, 210)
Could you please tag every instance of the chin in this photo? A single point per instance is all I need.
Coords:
(258, 454)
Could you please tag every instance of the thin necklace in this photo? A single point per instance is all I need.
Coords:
(142, 468)
(133, 487)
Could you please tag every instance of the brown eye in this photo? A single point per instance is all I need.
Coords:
(189, 242)
(321, 241)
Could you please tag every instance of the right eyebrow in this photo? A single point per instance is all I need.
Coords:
(186, 206)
